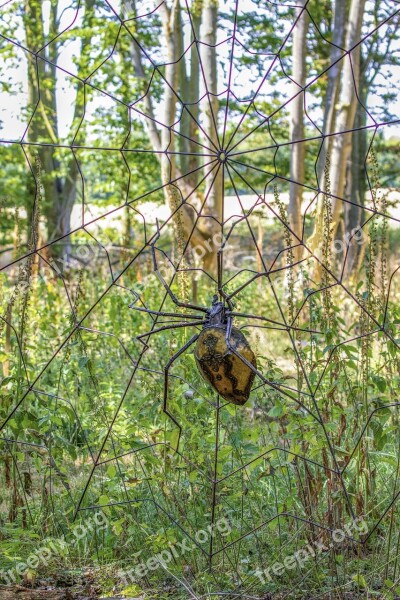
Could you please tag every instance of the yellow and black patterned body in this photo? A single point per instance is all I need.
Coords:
(221, 367)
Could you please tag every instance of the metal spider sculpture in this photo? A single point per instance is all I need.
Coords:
(223, 355)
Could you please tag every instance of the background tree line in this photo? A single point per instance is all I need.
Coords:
(161, 89)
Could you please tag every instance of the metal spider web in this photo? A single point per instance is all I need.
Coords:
(150, 288)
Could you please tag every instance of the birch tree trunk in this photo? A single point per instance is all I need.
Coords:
(341, 144)
(340, 118)
(198, 232)
(210, 15)
(168, 162)
(189, 92)
(214, 183)
(297, 125)
(194, 95)
(356, 187)
(176, 194)
(330, 102)
(333, 87)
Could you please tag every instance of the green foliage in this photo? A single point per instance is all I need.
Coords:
(77, 387)
(88, 377)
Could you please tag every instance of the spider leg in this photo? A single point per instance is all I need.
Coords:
(248, 316)
(173, 326)
(259, 318)
(260, 375)
(160, 313)
(166, 374)
(164, 283)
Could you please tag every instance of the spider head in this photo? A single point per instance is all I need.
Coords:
(216, 314)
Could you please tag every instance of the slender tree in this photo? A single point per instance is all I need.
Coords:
(340, 113)
(375, 56)
(210, 19)
(297, 157)
(180, 102)
(60, 180)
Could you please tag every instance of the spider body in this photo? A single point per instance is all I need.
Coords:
(218, 363)
(223, 355)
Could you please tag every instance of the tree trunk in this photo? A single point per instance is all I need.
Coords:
(341, 144)
(330, 102)
(297, 126)
(342, 120)
(172, 36)
(194, 95)
(189, 92)
(354, 213)
(214, 187)
(184, 93)
(60, 192)
(199, 232)
(333, 87)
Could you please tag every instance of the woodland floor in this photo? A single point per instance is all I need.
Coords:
(20, 592)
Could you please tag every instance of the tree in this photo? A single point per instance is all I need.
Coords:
(341, 103)
(65, 144)
(59, 180)
(375, 56)
(297, 158)
(180, 101)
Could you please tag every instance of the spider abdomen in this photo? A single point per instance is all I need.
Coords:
(221, 367)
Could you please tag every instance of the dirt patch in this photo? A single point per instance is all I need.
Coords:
(19, 592)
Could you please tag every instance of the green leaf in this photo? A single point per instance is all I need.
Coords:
(82, 361)
(360, 581)
(103, 500)
(111, 471)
